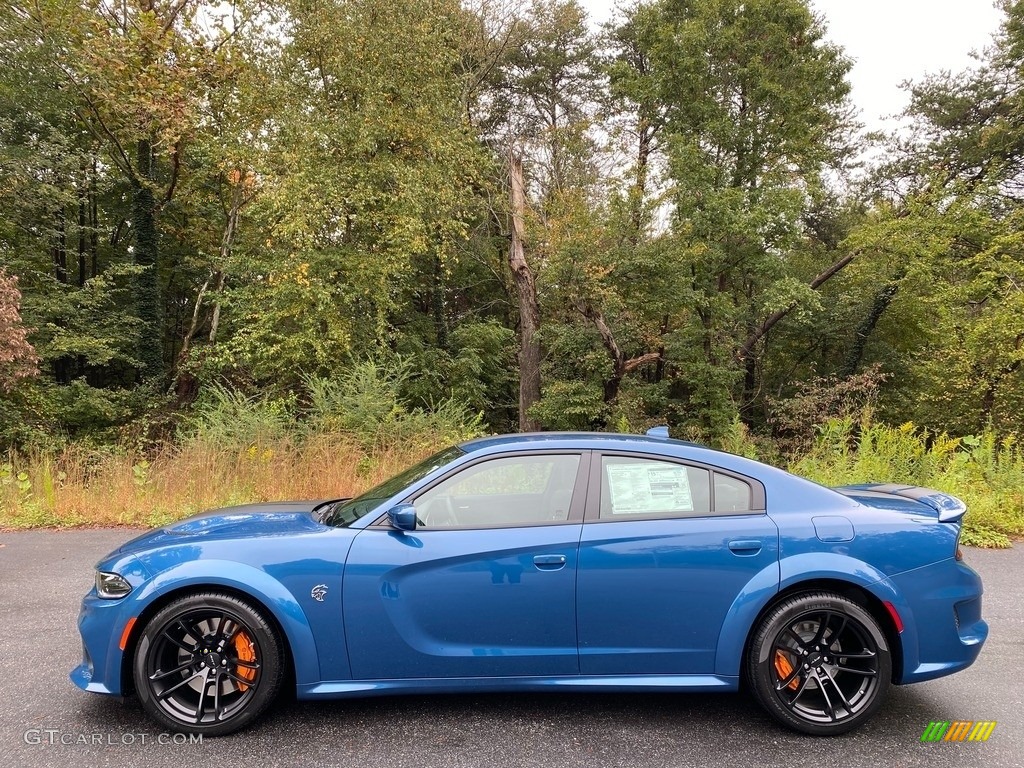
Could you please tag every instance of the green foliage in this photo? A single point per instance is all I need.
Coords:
(366, 401)
(570, 406)
(477, 369)
(389, 183)
(232, 418)
(985, 471)
(258, 227)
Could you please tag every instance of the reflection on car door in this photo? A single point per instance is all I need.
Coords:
(660, 566)
(464, 600)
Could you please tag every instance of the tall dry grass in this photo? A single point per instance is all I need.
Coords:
(81, 487)
(352, 432)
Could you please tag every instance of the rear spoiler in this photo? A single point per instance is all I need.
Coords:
(950, 508)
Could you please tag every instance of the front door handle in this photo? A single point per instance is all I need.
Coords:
(745, 547)
(549, 562)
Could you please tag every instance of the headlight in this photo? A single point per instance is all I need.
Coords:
(111, 585)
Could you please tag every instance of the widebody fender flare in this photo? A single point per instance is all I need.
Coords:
(254, 583)
(791, 571)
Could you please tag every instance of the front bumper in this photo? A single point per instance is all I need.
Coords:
(101, 623)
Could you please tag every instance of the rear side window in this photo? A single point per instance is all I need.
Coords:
(642, 487)
(732, 494)
(634, 487)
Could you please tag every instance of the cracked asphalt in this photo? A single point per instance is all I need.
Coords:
(46, 721)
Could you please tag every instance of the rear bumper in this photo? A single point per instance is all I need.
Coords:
(942, 614)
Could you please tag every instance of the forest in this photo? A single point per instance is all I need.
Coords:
(259, 249)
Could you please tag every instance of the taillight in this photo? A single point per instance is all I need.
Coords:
(959, 554)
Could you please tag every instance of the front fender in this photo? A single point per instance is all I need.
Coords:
(255, 583)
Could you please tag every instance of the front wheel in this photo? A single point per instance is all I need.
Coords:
(207, 663)
(819, 664)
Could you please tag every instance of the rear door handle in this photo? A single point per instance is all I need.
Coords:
(745, 547)
(549, 562)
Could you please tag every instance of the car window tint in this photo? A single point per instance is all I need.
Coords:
(731, 494)
(516, 490)
(348, 511)
(646, 487)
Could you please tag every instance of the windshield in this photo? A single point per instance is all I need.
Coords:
(345, 513)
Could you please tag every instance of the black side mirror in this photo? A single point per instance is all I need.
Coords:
(403, 517)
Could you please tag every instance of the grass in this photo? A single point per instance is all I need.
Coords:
(82, 488)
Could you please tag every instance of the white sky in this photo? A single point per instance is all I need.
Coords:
(891, 41)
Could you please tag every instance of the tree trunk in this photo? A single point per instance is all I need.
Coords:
(866, 327)
(227, 242)
(94, 221)
(638, 194)
(60, 246)
(749, 391)
(437, 303)
(82, 224)
(529, 308)
(146, 255)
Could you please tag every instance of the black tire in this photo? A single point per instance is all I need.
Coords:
(819, 664)
(208, 663)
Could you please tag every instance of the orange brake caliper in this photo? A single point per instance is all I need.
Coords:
(246, 652)
(785, 669)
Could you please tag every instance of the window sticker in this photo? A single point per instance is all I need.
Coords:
(638, 489)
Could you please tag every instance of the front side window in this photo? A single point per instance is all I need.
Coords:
(515, 490)
(632, 487)
(347, 511)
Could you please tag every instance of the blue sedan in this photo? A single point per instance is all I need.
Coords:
(595, 562)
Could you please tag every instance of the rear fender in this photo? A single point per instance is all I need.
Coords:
(757, 593)
(740, 621)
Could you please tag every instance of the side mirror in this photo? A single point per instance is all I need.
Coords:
(403, 517)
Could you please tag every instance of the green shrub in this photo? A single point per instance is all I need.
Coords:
(985, 471)
(366, 402)
(231, 419)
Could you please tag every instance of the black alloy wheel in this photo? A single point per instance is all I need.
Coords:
(819, 664)
(207, 663)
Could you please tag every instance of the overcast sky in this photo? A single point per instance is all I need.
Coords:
(891, 41)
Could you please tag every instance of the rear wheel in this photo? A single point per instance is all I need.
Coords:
(819, 663)
(207, 663)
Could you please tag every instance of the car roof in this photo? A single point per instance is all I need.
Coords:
(573, 439)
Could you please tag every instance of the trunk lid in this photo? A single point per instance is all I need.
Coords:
(907, 498)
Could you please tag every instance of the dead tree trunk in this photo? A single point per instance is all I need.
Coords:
(227, 240)
(529, 308)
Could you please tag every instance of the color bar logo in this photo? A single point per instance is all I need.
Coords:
(959, 730)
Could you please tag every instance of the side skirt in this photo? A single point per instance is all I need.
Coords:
(606, 683)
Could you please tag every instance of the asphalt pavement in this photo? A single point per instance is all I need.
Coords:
(46, 721)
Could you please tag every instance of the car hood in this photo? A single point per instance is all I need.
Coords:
(271, 519)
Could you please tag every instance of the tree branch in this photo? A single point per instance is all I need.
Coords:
(746, 349)
(634, 363)
(175, 172)
(607, 337)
